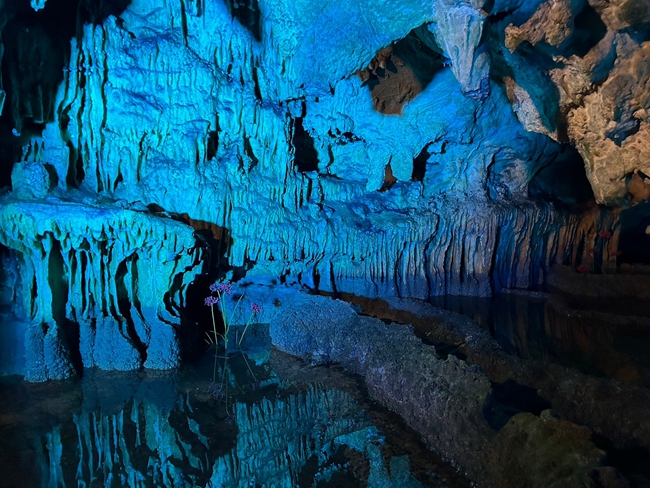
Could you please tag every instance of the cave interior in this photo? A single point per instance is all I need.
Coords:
(320, 243)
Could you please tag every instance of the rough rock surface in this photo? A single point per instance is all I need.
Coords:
(550, 23)
(446, 399)
(252, 126)
(614, 410)
(98, 283)
(601, 80)
(248, 119)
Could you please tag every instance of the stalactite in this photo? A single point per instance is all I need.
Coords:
(94, 246)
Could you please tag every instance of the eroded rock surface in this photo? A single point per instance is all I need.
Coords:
(99, 284)
(448, 400)
(602, 91)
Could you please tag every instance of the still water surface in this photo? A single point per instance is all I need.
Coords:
(267, 419)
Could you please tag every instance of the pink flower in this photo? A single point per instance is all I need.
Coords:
(605, 235)
(255, 308)
(582, 269)
(210, 301)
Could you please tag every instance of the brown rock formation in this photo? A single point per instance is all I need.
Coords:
(611, 127)
(551, 23)
(620, 14)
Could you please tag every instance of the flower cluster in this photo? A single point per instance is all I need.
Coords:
(227, 313)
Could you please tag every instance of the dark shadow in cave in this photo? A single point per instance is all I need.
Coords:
(510, 398)
(124, 305)
(305, 155)
(37, 47)
(588, 30)
(420, 164)
(57, 280)
(563, 182)
(634, 242)
(217, 242)
(400, 72)
(247, 13)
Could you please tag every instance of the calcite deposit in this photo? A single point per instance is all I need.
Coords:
(412, 149)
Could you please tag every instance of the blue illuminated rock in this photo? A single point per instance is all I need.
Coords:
(112, 277)
(257, 124)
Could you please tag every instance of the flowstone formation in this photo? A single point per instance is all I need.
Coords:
(409, 150)
(93, 283)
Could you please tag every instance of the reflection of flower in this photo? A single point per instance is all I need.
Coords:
(210, 301)
(616, 253)
(591, 252)
(605, 235)
(255, 308)
(582, 269)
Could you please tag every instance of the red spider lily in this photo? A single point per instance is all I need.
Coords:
(605, 235)
(582, 269)
(210, 301)
(255, 308)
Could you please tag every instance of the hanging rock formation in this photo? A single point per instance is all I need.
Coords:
(96, 282)
(597, 56)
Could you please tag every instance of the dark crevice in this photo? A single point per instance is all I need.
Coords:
(248, 150)
(632, 462)
(588, 31)
(124, 306)
(510, 398)
(247, 13)
(623, 130)
(212, 145)
(563, 182)
(634, 242)
(57, 280)
(420, 164)
(256, 85)
(305, 154)
(389, 179)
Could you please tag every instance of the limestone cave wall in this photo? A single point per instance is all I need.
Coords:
(408, 148)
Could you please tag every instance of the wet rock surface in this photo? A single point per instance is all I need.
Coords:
(455, 404)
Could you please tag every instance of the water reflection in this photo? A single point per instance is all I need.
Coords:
(170, 430)
(599, 338)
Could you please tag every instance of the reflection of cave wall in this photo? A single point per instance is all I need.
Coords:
(171, 439)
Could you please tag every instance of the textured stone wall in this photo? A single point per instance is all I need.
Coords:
(393, 151)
